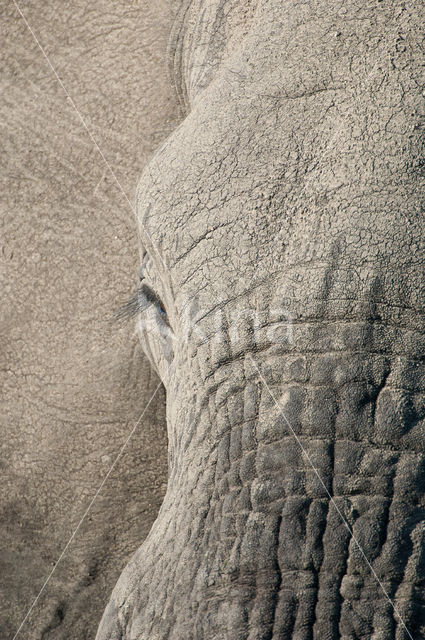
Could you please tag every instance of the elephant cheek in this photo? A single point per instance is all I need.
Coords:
(110, 628)
(157, 343)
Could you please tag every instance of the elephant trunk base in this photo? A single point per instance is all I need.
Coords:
(307, 566)
(276, 557)
(295, 506)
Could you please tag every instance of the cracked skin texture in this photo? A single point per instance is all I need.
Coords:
(294, 186)
(72, 383)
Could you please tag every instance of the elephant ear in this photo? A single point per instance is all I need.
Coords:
(204, 34)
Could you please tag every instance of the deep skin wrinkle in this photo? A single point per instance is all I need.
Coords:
(291, 197)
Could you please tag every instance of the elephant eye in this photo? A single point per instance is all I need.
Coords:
(141, 301)
(146, 296)
(161, 308)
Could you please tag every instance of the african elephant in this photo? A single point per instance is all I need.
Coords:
(74, 383)
(282, 301)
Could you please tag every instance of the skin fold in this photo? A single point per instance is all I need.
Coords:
(291, 198)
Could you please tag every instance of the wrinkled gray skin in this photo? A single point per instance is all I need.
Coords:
(72, 383)
(295, 183)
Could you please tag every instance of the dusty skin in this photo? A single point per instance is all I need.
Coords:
(289, 202)
(282, 305)
(73, 385)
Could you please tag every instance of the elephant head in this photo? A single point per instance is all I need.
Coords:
(282, 303)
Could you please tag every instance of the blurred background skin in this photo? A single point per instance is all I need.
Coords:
(73, 384)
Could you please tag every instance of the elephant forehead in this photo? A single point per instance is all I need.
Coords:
(229, 214)
(276, 166)
(205, 198)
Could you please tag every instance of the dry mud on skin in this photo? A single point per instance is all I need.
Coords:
(294, 184)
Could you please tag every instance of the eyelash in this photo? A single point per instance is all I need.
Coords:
(137, 304)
